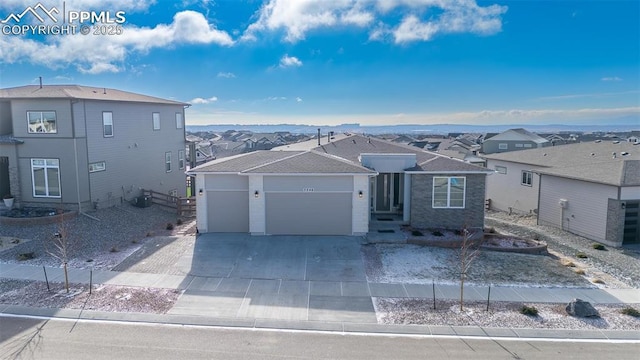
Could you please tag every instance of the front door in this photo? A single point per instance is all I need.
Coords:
(383, 195)
(4, 176)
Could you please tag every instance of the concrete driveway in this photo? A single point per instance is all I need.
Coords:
(294, 278)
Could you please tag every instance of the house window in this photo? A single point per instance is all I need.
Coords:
(501, 169)
(503, 146)
(519, 145)
(179, 122)
(173, 193)
(156, 121)
(527, 145)
(181, 159)
(167, 161)
(107, 124)
(448, 192)
(97, 166)
(45, 176)
(42, 122)
(527, 178)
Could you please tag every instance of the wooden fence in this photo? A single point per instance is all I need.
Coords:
(185, 207)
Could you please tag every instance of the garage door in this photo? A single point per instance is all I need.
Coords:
(308, 213)
(228, 211)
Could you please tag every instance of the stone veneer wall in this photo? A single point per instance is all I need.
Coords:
(423, 215)
(615, 223)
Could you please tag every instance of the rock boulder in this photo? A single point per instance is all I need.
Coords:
(581, 308)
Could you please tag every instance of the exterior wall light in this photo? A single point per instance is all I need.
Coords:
(200, 192)
(256, 194)
(360, 194)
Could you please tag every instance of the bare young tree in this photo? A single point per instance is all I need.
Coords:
(469, 251)
(60, 246)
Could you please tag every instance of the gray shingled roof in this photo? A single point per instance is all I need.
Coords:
(523, 135)
(588, 161)
(79, 92)
(242, 162)
(310, 162)
(352, 147)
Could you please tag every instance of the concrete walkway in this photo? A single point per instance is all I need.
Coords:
(309, 304)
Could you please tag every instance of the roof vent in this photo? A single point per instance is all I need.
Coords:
(617, 142)
(598, 141)
(614, 154)
(624, 153)
(592, 154)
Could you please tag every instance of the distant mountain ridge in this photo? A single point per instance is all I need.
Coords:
(622, 125)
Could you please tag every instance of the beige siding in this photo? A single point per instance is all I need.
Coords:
(586, 211)
(226, 182)
(62, 108)
(506, 191)
(5, 118)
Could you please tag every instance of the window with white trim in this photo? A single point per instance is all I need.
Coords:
(527, 178)
(156, 121)
(181, 159)
(42, 122)
(527, 145)
(519, 145)
(107, 124)
(449, 192)
(45, 176)
(179, 122)
(503, 146)
(97, 166)
(501, 169)
(167, 161)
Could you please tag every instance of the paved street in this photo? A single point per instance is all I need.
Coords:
(56, 339)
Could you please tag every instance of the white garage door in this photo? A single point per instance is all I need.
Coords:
(309, 213)
(228, 211)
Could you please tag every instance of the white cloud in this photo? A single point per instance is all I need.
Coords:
(226, 75)
(297, 17)
(199, 100)
(289, 61)
(60, 51)
(83, 5)
(611, 78)
(276, 98)
(298, 99)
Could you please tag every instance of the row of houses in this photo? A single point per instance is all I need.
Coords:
(84, 148)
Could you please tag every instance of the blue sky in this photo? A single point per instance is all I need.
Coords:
(326, 62)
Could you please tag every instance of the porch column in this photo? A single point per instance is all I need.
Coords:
(406, 210)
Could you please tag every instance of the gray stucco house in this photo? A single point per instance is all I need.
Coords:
(513, 140)
(82, 147)
(334, 186)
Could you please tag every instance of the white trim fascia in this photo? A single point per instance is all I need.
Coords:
(449, 172)
(311, 174)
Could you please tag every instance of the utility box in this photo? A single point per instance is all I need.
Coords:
(564, 203)
(142, 201)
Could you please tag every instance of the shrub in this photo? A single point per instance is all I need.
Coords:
(491, 230)
(113, 249)
(597, 281)
(580, 271)
(169, 226)
(437, 233)
(134, 241)
(528, 310)
(598, 246)
(179, 222)
(26, 256)
(417, 233)
(150, 234)
(457, 232)
(630, 311)
(581, 255)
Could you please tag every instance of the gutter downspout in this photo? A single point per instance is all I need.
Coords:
(75, 153)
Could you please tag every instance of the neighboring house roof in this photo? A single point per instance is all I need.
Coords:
(79, 92)
(518, 135)
(282, 162)
(590, 161)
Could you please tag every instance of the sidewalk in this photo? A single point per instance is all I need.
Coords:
(343, 306)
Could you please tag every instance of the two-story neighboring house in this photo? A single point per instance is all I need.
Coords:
(512, 140)
(82, 147)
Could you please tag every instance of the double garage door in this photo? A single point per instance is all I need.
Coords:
(286, 213)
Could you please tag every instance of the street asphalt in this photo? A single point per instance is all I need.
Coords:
(302, 283)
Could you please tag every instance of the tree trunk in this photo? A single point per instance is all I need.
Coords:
(66, 277)
(461, 293)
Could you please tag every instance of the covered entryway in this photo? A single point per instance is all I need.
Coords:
(228, 211)
(309, 213)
